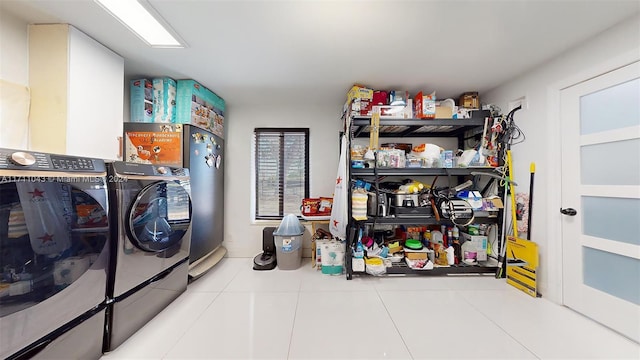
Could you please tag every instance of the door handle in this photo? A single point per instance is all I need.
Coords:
(569, 211)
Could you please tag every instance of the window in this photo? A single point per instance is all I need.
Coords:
(282, 171)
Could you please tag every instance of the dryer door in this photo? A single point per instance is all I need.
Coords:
(160, 216)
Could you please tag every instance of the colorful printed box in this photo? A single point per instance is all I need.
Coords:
(425, 106)
(164, 100)
(199, 106)
(141, 101)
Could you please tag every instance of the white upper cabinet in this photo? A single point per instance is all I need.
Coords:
(77, 92)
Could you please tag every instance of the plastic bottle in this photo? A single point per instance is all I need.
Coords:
(441, 256)
(427, 238)
(436, 237)
(457, 247)
(359, 253)
(457, 251)
(450, 255)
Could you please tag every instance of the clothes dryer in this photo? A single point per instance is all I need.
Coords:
(151, 236)
(54, 255)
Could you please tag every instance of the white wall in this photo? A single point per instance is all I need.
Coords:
(14, 54)
(243, 236)
(613, 48)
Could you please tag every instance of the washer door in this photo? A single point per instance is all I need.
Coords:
(159, 217)
(54, 254)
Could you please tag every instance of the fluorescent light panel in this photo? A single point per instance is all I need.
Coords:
(139, 20)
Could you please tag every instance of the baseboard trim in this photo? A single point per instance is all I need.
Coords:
(205, 263)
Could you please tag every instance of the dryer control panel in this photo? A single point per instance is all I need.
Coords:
(126, 168)
(11, 159)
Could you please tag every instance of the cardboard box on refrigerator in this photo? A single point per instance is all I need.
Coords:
(155, 143)
(164, 100)
(199, 106)
(141, 100)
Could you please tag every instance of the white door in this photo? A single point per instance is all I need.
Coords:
(601, 199)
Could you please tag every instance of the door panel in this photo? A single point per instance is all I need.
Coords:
(619, 102)
(599, 213)
(160, 217)
(53, 255)
(610, 163)
(601, 179)
(622, 281)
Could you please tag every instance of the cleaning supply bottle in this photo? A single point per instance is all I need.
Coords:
(450, 256)
(427, 238)
(457, 247)
(436, 237)
(359, 253)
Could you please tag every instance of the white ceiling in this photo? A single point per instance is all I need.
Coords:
(259, 52)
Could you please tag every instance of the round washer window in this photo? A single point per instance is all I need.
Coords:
(160, 216)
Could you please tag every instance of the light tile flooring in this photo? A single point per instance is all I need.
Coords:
(234, 312)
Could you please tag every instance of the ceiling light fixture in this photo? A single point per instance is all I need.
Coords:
(142, 20)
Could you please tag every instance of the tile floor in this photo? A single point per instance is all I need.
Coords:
(234, 312)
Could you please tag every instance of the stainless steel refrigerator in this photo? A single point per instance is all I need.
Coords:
(203, 153)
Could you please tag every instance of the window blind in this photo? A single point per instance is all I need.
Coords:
(282, 168)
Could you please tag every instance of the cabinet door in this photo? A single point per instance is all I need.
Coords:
(77, 93)
(95, 98)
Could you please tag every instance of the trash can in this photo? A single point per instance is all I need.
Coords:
(288, 241)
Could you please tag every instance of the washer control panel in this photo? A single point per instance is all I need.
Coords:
(71, 163)
(32, 160)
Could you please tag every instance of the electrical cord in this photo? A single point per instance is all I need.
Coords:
(513, 133)
(509, 134)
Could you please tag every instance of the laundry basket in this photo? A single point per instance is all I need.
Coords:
(288, 242)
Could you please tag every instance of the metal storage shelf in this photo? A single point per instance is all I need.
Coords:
(416, 127)
(419, 171)
(402, 268)
(412, 128)
(483, 218)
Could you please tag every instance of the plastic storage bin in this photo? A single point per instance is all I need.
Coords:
(288, 241)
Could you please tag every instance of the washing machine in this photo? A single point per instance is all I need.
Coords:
(151, 236)
(54, 255)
